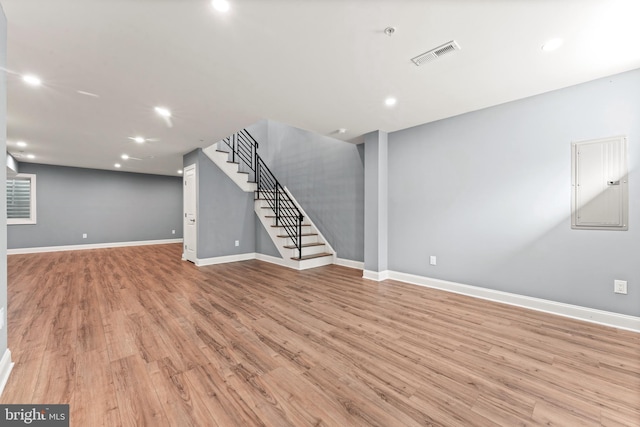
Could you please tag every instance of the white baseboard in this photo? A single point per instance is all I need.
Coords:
(273, 260)
(349, 263)
(375, 275)
(607, 318)
(224, 259)
(6, 365)
(90, 246)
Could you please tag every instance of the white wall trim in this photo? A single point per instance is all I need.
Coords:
(607, 318)
(225, 259)
(90, 246)
(273, 260)
(349, 263)
(6, 365)
(375, 275)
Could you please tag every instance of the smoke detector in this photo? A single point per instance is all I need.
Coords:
(389, 31)
(436, 53)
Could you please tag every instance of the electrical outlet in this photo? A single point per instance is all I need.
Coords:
(237, 242)
(620, 286)
(173, 231)
(84, 235)
(432, 260)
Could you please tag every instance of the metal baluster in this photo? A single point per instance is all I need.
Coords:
(257, 177)
(277, 205)
(233, 147)
(300, 218)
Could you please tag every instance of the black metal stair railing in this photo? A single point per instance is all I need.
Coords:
(244, 148)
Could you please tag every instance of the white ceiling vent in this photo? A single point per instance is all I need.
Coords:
(436, 53)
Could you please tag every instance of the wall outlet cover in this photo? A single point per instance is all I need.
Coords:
(620, 286)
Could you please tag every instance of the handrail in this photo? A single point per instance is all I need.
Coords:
(245, 148)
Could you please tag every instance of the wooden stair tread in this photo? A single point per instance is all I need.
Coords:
(302, 235)
(285, 216)
(290, 225)
(304, 245)
(311, 256)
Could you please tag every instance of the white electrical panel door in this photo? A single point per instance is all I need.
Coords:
(599, 184)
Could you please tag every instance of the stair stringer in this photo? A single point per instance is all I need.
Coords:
(221, 159)
(280, 242)
(308, 219)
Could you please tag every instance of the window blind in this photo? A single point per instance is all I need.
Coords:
(19, 198)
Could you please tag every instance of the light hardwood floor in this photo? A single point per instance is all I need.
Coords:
(137, 337)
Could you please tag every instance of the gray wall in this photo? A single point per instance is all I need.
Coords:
(108, 206)
(488, 193)
(3, 196)
(225, 213)
(325, 175)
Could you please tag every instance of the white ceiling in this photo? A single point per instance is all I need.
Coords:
(320, 65)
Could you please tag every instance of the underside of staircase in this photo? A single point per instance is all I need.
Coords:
(300, 249)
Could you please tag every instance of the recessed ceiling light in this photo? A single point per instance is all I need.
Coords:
(139, 139)
(30, 156)
(552, 44)
(390, 102)
(180, 171)
(117, 165)
(21, 144)
(31, 80)
(164, 112)
(221, 5)
(125, 156)
(342, 131)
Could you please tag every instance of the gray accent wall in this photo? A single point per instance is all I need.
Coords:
(108, 206)
(325, 175)
(488, 193)
(3, 196)
(225, 213)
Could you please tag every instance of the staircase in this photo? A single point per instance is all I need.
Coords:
(297, 239)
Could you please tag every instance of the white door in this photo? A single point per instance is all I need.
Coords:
(190, 225)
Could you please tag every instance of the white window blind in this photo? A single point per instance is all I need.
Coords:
(21, 206)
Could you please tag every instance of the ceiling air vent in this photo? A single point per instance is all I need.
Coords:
(436, 53)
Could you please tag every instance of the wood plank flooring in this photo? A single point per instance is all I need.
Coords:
(137, 337)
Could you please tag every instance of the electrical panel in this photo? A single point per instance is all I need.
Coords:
(600, 184)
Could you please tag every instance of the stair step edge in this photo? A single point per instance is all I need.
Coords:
(306, 257)
(305, 245)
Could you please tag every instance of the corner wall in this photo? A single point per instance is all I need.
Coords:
(3, 176)
(488, 193)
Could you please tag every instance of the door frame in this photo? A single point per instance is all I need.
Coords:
(186, 172)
